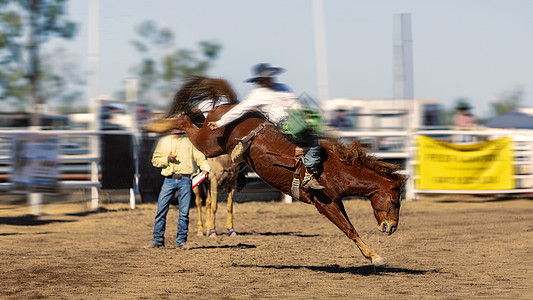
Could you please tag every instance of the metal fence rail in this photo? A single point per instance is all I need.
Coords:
(91, 160)
(395, 146)
(399, 146)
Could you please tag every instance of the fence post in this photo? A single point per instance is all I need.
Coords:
(95, 149)
(35, 201)
(132, 199)
(410, 165)
(131, 96)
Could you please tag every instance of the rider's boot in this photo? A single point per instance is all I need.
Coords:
(310, 181)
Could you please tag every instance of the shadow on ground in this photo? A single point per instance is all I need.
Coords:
(238, 246)
(29, 220)
(336, 269)
(288, 233)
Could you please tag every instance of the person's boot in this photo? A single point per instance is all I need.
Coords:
(310, 182)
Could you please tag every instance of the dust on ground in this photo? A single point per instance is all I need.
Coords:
(445, 248)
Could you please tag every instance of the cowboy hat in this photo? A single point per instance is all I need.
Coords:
(264, 70)
(463, 106)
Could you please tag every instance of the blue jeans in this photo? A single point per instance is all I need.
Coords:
(168, 189)
(312, 153)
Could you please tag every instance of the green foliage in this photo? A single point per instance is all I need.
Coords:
(163, 64)
(59, 82)
(24, 26)
(507, 102)
(210, 50)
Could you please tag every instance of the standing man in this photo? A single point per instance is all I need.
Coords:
(175, 154)
(274, 100)
(463, 119)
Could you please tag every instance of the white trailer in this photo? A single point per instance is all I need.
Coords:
(385, 114)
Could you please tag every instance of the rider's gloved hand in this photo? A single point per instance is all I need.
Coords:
(212, 125)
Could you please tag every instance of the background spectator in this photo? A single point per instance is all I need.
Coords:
(463, 119)
(340, 120)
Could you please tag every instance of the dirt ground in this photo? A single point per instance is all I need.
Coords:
(445, 248)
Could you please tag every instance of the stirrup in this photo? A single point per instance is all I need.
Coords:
(310, 182)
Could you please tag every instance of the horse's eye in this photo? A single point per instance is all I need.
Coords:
(397, 203)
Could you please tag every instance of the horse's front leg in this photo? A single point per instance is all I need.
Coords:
(335, 213)
(198, 200)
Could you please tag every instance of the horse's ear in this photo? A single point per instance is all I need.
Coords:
(397, 180)
(402, 181)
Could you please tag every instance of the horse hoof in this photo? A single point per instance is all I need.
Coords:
(232, 233)
(199, 233)
(379, 262)
(212, 233)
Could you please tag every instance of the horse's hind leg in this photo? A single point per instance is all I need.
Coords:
(229, 219)
(211, 208)
(198, 200)
(335, 213)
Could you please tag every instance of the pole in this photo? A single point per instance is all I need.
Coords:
(403, 57)
(320, 51)
(94, 49)
(94, 90)
(131, 96)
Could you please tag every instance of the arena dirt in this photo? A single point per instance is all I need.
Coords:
(445, 248)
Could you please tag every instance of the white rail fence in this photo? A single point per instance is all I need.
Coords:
(400, 147)
(92, 155)
(87, 166)
(396, 146)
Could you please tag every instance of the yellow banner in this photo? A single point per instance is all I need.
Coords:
(482, 166)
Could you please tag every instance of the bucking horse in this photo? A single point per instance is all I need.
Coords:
(276, 158)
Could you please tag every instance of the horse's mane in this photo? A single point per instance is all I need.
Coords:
(357, 153)
(198, 89)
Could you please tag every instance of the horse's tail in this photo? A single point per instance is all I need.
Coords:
(160, 126)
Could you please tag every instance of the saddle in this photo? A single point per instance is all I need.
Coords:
(298, 159)
(245, 143)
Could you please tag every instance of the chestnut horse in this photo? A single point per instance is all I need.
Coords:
(343, 172)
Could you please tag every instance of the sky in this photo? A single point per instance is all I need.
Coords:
(475, 49)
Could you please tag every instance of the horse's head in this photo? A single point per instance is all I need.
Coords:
(386, 204)
(366, 176)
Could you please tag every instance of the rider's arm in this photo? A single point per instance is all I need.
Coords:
(254, 100)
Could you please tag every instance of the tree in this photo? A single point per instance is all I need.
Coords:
(25, 25)
(162, 64)
(57, 68)
(507, 101)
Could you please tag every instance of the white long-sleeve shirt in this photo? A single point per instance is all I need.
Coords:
(207, 105)
(272, 104)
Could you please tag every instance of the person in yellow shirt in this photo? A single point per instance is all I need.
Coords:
(175, 155)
